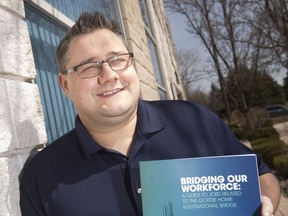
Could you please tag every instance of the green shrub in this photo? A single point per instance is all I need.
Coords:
(266, 142)
(281, 165)
(267, 123)
(260, 141)
(239, 133)
(268, 149)
(261, 133)
(237, 130)
(233, 126)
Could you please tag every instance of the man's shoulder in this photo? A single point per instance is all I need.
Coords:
(60, 145)
(178, 106)
(39, 158)
(182, 112)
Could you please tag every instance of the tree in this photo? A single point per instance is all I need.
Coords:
(225, 29)
(285, 86)
(266, 89)
(200, 97)
(273, 22)
(216, 101)
(268, 92)
(189, 63)
(199, 21)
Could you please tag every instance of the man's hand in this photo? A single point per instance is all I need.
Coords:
(270, 190)
(267, 206)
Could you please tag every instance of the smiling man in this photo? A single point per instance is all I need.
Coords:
(94, 168)
(105, 91)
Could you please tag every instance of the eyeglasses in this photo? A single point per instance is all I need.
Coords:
(94, 68)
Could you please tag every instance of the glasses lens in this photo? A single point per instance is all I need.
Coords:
(90, 69)
(120, 62)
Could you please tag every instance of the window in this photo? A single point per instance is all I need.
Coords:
(153, 51)
(45, 35)
(74, 8)
(58, 110)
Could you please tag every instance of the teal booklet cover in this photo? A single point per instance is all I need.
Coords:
(220, 185)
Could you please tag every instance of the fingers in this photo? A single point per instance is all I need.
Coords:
(267, 206)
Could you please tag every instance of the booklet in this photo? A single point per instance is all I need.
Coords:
(220, 185)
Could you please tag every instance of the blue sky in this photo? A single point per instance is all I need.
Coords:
(185, 40)
(182, 38)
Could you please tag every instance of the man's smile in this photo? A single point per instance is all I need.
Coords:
(109, 93)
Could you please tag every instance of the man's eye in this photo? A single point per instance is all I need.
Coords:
(118, 60)
(89, 67)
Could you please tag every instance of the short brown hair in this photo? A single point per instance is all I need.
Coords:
(86, 23)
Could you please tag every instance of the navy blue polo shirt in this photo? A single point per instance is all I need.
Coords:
(74, 176)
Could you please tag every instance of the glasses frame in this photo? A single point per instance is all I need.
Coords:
(74, 68)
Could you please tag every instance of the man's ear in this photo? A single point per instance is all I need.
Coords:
(62, 79)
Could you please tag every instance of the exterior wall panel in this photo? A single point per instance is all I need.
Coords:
(21, 114)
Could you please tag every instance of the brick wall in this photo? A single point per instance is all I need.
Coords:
(137, 42)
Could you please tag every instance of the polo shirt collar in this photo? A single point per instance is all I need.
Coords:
(148, 122)
(86, 142)
(148, 119)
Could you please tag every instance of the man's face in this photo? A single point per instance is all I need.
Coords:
(110, 94)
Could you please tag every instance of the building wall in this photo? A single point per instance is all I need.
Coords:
(166, 49)
(137, 42)
(21, 114)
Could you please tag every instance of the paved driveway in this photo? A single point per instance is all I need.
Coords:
(282, 129)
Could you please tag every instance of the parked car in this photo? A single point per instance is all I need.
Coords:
(276, 110)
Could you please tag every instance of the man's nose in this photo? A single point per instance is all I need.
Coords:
(107, 74)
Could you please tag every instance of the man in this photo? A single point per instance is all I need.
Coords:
(94, 168)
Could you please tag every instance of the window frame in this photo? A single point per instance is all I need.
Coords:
(161, 87)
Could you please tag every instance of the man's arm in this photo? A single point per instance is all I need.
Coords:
(30, 204)
(270, 191)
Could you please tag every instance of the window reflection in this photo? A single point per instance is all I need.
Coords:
(74, 8)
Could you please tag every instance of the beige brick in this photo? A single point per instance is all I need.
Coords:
(147, 93)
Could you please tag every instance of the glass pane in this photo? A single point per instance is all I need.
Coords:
(155, 62)
(144, 12)
(152, 48)
(162, 94)
(73, 8)
(45, 35)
